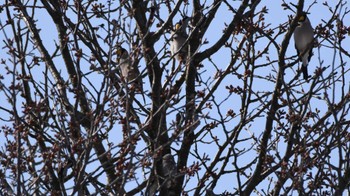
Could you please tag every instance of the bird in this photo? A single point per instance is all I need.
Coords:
(170, 173)
(304, 39)
(169, 165)
(178, 39)
(129, 71)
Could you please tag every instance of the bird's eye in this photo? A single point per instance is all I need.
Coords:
(302, 18)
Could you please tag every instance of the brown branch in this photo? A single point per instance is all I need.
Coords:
(257, 175)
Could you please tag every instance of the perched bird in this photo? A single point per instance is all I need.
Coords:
(129, 71)
(304, 38)
(178, 38)
(169, 165)
(170, 172)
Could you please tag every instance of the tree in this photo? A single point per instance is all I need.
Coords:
(73, 124)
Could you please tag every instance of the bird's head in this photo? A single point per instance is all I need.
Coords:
(121, 53)
(182, 24)
(178, 26)
(303, 18)
(185, 20)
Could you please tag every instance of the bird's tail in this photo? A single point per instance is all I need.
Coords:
(305, 62)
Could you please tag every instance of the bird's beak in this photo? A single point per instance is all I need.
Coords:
(177, 26)
(119, 52)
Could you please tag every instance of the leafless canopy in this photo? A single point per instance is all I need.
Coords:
(72, 125)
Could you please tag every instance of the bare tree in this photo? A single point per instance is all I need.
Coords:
(74, 121)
